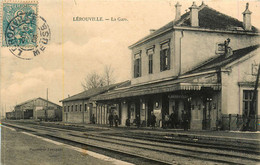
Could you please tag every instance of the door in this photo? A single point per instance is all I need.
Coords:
(150, 110)
(165, 105)
(165, 108)
(207, 116)
(137, 108)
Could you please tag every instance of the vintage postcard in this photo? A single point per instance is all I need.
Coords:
(129, 82)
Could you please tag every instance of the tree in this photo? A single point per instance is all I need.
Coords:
(109, 75)
(95, 80)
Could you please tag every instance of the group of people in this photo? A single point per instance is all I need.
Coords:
(113, 119)
(169, 120)
(173, 122)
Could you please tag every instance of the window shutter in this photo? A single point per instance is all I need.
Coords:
(135, 68)
(151, 63)
(140, 67)
(161, 60)
(169, 59)
(148, 64)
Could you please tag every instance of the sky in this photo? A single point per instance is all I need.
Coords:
(79, 48)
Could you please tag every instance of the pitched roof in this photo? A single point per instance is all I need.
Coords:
(95, 91)
(209, 18)
(219, 61)
(188, 81)
(28, 101)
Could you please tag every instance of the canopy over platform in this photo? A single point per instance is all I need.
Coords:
(175, 84)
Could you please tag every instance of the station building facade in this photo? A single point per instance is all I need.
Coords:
(203, 62)
(80, 108)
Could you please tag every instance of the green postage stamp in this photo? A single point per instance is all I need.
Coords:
(19, 23)
(24, 32)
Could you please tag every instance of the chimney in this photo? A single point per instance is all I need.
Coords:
(152, 30)
(247, 18)
(178, 11)
(194, 16)
(203, 4)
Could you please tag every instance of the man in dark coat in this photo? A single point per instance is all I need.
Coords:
(93, 119)
(185, 120)
(153, 120)
(116, 120)
(127, 122)
(174, 119)
(137, 121)
(110, 119)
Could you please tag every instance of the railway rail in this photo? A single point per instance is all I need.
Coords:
(136, 146)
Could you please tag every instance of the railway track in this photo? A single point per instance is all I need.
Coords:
(250, 149)
(139, 146)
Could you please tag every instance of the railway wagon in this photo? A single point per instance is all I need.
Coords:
(10, 115)
(15, 115)
(51, 114)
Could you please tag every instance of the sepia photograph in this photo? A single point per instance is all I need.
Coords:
(129, 82)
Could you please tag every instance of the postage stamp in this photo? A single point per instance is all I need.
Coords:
(24, 32)
(19, 23)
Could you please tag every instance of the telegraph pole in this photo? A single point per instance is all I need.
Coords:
(46, 107)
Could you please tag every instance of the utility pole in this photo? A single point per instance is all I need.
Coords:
(4, 111)
(253, 102)
(46, 107)
(1, 112)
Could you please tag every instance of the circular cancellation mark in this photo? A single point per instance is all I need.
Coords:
(27, 38)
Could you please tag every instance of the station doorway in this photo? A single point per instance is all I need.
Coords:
(206, 122)
(150, 110)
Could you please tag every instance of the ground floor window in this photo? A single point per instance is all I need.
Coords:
(85, 108)
(247, 103)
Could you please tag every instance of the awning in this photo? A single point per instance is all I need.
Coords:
(188, 83)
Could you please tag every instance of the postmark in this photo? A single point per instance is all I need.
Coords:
(41, 40)
(26, 34)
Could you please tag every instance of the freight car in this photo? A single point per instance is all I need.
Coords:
(50, 114)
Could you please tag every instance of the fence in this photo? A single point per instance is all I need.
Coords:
(237, 122)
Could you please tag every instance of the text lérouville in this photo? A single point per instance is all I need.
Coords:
(99, 19)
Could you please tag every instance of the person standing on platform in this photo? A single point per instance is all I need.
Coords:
(110, 119)
(174, 119)
(127, 122)
(137, 121)
(93, 119)
(116, 120)
(166, 121)
(185, 120)
(153, 120)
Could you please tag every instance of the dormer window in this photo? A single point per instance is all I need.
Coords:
(137, 65)
(165, 56)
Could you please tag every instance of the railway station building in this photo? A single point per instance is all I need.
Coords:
(80, 108)
(203, 62)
